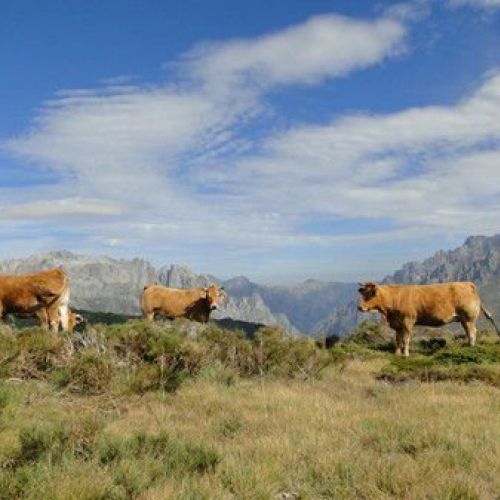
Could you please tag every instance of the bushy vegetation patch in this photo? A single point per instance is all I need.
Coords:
(143, 357)
(88, 372)
(32, 353)
(464, 364)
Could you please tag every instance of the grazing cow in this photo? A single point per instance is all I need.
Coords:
(193, 303)
(44, 294)
(404, 306)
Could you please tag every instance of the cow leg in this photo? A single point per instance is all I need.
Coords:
(149, 316)
(470, 330)
(399, 337)
(43, 317)
(53, 317)
(406, 340)
(63, 310)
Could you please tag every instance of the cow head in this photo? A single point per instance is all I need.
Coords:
(213, 295)
(74, 320)
(368, 302)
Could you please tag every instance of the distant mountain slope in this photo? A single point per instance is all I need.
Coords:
(305, 304)
(477, 260)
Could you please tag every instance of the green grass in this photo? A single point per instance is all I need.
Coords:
(183, 411)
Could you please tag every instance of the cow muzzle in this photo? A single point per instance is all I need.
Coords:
(213, 307)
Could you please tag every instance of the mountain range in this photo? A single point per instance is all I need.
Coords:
(314, 307)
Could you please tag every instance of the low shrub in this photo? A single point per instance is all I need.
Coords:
(229, 349)
(431, 345)
(280, 354)
(464, 364)
(463, 355)
(367, 332)
(40, 439)
(51, 439)
(159, 356)
(88, 372)
(33, 353)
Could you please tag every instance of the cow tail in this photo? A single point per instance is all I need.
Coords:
(489, 316)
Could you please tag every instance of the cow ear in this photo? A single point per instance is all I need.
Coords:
(203, 293)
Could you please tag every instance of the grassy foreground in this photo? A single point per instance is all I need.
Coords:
(179, 411)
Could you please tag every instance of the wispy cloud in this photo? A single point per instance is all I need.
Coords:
(428, 167)
(144, 147)
(323, 47)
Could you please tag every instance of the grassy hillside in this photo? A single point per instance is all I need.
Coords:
(187, 411)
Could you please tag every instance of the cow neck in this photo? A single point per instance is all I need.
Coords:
(200, 306)
(383, 300)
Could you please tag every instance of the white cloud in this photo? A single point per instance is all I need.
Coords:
(430, 168)
(324, 46)
(65, 207)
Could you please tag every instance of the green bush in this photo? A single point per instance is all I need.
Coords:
(367, 332)
(229, 348)
(37, 440)
(464, 364)
(145, 357)
(53, 438)
(32, 353)
(88, 372)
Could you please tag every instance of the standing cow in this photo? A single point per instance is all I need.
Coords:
(193, 303)
(44, 294)
(404, 306)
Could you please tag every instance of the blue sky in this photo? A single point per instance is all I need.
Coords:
(277, 139)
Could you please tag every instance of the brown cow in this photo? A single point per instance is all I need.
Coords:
(44, 294)
(193, 303)
(404, 306)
